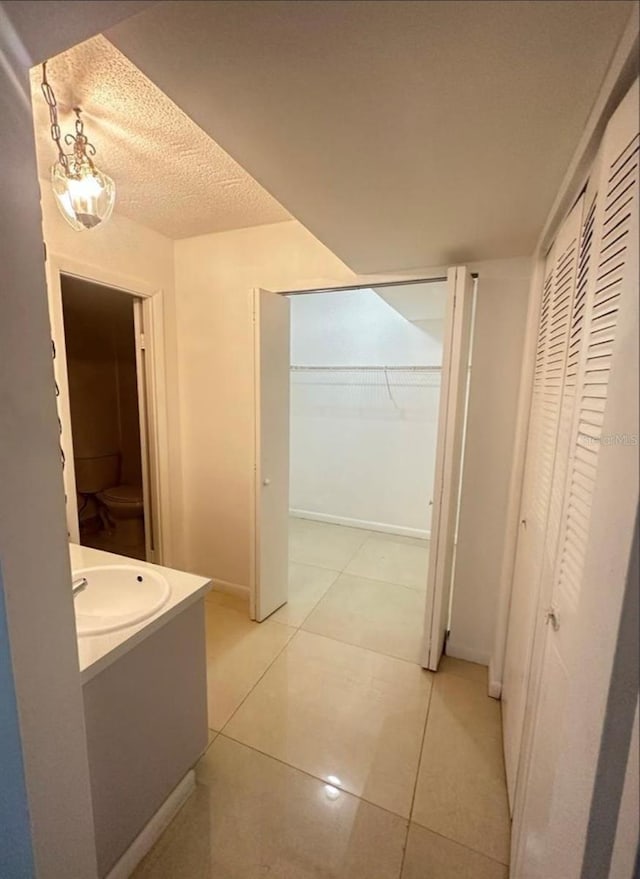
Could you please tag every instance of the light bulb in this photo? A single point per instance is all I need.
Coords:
(86, 197)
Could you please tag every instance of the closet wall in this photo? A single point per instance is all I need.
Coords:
(362, 436)
(581, 471)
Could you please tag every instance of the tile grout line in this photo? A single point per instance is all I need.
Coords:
(250, 691)
(339, 571)
(462, 845)
(330, 586)
(299, 628)
(424, 827)
(360, 647)
(375, 580)
(284, 647)
(419, 589)
(308, 774)
(356, 551)
(337, 640)
(221, 732)
(278, 654)
(415, 785)
(348, 561)
(342, 571)
(409, 820)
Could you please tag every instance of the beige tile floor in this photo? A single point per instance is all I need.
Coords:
(332, 754)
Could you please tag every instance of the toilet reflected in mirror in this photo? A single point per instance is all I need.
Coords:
(100, 344)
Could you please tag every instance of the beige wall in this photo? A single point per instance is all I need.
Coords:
(144, 256)
(214, 278)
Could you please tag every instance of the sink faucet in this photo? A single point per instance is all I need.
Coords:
(78, 585)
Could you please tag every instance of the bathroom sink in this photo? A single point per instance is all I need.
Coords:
(117, 596)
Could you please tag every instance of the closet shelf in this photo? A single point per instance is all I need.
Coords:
(366, 379)
(366, 368)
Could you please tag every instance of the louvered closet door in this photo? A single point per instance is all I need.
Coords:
(538, 495)
(617, 201)
(570, 369)
(612, 201)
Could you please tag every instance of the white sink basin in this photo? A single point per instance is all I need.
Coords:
(117, 596)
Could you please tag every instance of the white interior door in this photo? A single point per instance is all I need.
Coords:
(271, 543)
(455, 374)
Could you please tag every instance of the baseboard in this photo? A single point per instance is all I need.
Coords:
(361, 523)
(495, 685)
(469, 654)
(229, 588)
(145, 840)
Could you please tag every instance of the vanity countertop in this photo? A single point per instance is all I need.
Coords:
(97, 652)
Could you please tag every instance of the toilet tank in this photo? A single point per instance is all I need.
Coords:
(96, 474)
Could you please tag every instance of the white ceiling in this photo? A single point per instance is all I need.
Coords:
(400, 133)
(48, 28)
(169, 174)
(425, 301)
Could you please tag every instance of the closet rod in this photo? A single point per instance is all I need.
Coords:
(364, 285)
(349, 288)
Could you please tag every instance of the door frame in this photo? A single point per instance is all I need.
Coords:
(152, 403)
(445, 464)
(355, 283)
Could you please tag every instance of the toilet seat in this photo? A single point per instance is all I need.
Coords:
(123, 514)
(122, 494)
(123, 501)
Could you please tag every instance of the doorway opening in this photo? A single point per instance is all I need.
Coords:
(104, 348)
(365, 388)
(358, 457)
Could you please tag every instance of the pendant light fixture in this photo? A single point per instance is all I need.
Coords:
(85, 196)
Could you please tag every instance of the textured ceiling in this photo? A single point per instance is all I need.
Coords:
(401, 134)
(169, 174)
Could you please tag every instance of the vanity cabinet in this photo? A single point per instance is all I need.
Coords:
(146, 724)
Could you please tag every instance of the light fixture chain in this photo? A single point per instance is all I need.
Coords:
(56, 134)
(84, 195)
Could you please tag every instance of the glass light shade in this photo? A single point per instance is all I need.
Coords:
(85, 200)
